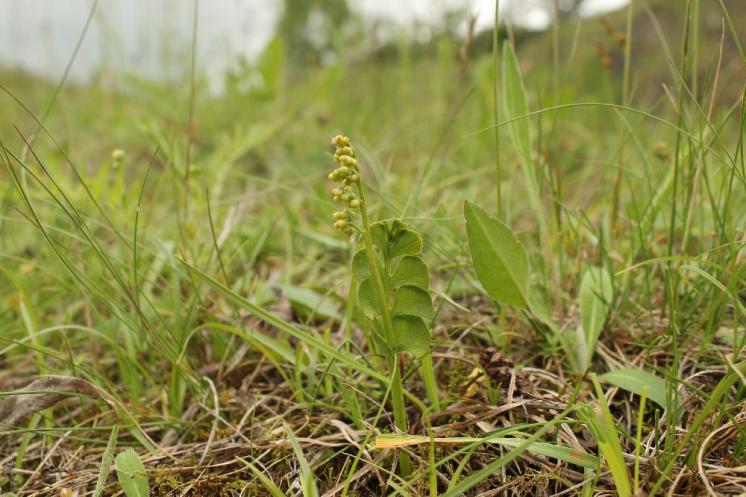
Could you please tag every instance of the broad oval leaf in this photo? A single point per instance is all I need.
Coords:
(633, 380)
(414, 301)
(412, 335)
(596, 292)
(131, 474)
(411, 270)
(498, 257)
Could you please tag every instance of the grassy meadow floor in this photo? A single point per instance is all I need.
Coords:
(188, 297)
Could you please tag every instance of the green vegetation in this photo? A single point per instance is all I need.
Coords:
(553, 302)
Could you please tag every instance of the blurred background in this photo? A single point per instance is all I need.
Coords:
(253, 52)
(153, 39)
(412, 81)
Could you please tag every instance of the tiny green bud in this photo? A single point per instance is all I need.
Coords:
(353, 178)
(341, 141)
(661, 150)
(340, 215)
(117, 155)
(355, 203)
(340, 225)
(343, 171)
(346, 197)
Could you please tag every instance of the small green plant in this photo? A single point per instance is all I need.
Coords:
(131, 474)
(596, 292)
(307, 482)
(391, 280)
(501, 264)
(602, 426)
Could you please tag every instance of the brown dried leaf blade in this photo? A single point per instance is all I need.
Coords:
(40, 394)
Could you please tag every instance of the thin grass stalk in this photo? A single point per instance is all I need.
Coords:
(496, 108)
(397, 391)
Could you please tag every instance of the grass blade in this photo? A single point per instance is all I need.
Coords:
(596, 292)
(552, 451)
(308, 483)
(106, 460)
(303, 336)
(273, 489)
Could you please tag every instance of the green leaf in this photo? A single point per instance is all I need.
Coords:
(302, 335)
(633, 379)
(516, 110)
(271, 63)
(269, 485)
(323, 240)
(414, 301)
(595, 296)
(311, 302)
(498, 257)
(538, 308)
(514, 96)
(131, 474)
(412, 334)
(404, 242)
(602, 426)
(308, 484)
(360, 266)
(106, 460)
(379, 231)
(366, 299)
(395, 239)
(411, 270)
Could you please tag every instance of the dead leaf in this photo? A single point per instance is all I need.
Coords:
(43, 392)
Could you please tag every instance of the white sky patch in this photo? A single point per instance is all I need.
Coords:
(598, 7)
(527, 14)
(144, 37)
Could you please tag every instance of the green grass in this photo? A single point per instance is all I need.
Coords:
(198, 284)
